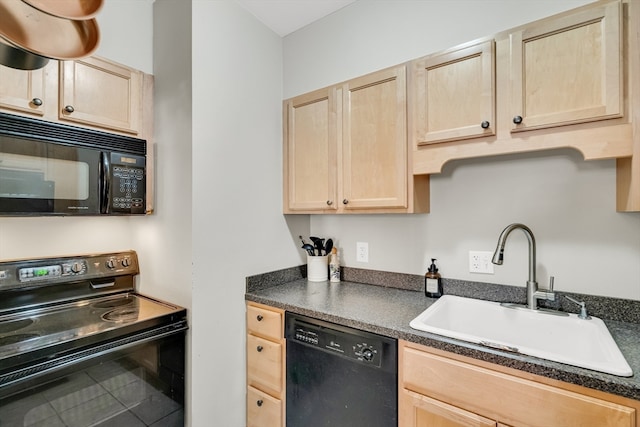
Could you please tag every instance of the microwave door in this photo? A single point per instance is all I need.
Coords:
(42, 178)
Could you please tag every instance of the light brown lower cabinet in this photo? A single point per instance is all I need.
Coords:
(439, 391)
(263, 410)
(265, 366)
(417, 410)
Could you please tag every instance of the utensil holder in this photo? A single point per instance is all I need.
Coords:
(317, 268)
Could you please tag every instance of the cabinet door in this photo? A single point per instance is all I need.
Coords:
(262, 409)
(310, 151)
(567, 70)
(98, 92)
(374, 145)
(416, 410)
(22, 90)
(455, 94)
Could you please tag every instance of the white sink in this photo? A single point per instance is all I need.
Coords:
(566, 339)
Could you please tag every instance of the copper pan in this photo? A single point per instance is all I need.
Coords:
(45, 35)
(69, 9)
(20, 59)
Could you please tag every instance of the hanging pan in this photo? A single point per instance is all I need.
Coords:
(69, 9)
(46, 35)
(20, 59)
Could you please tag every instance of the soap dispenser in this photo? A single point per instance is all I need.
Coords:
(433, 281)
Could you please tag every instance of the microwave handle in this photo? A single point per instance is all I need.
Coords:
(105, 182)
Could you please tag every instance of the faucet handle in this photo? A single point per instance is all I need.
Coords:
(583, 308)
(551, 279)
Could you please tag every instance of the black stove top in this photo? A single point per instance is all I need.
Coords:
(36, 329)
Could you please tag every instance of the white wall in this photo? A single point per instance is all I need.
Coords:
(126, 29)
(238, 226)
(568, 203)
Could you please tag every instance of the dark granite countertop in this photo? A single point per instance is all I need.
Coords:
(388, 311)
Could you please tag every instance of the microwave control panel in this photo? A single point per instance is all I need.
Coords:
(128, 184)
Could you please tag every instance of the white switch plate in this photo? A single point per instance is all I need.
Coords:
(362, 251)
(480, 262)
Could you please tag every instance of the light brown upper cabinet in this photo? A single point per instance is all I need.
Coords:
(374, 141)
(310, 151)
(346, 149)
(455, 94)
(566, 81)
(24, 91)
(568, 70)
(98, 92)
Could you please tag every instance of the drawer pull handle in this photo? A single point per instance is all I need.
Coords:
(517, 120)
(259, 317)
(485, 125)
(259, 402)
(36, 101)
(259, 348)
(69, 109)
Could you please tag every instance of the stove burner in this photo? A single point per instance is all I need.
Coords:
(13, 339)
(127, 314)
(14, 325)
(113, 303)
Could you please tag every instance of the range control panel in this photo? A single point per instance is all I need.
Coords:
(361, 347)
(35, 272)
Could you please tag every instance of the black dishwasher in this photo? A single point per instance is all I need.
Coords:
(339, 376)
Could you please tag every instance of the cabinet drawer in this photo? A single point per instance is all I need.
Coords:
(416, 410)
(266, 323)
(506, 398)
(264, 364)
(262, 409)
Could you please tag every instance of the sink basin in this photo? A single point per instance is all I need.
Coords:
(561, 338)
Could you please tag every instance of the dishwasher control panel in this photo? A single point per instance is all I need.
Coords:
(351, 343)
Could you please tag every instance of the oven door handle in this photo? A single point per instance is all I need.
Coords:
(102, 285)
(105, 182)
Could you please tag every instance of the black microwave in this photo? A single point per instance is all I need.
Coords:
(56, 169)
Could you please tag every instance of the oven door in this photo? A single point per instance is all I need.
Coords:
(136, 381)
(43, 178)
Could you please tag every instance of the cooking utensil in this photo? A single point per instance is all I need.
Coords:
(45, 35)
(20, 59)
(328, 246)
(307, 247)
(68, 9)
(320, 246)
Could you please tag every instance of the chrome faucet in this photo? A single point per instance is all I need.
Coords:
(533, 293)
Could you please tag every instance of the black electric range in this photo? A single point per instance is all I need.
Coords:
(62, 315)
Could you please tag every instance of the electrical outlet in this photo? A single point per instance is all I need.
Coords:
(480, 262)
(362, 252)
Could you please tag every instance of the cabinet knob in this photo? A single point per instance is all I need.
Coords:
(485, 125)
(259, 348)
(259, 402)
(69, 109)
(259, 317)
(329, 202)
(36, 101)
(345, 201)
(517, 120)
